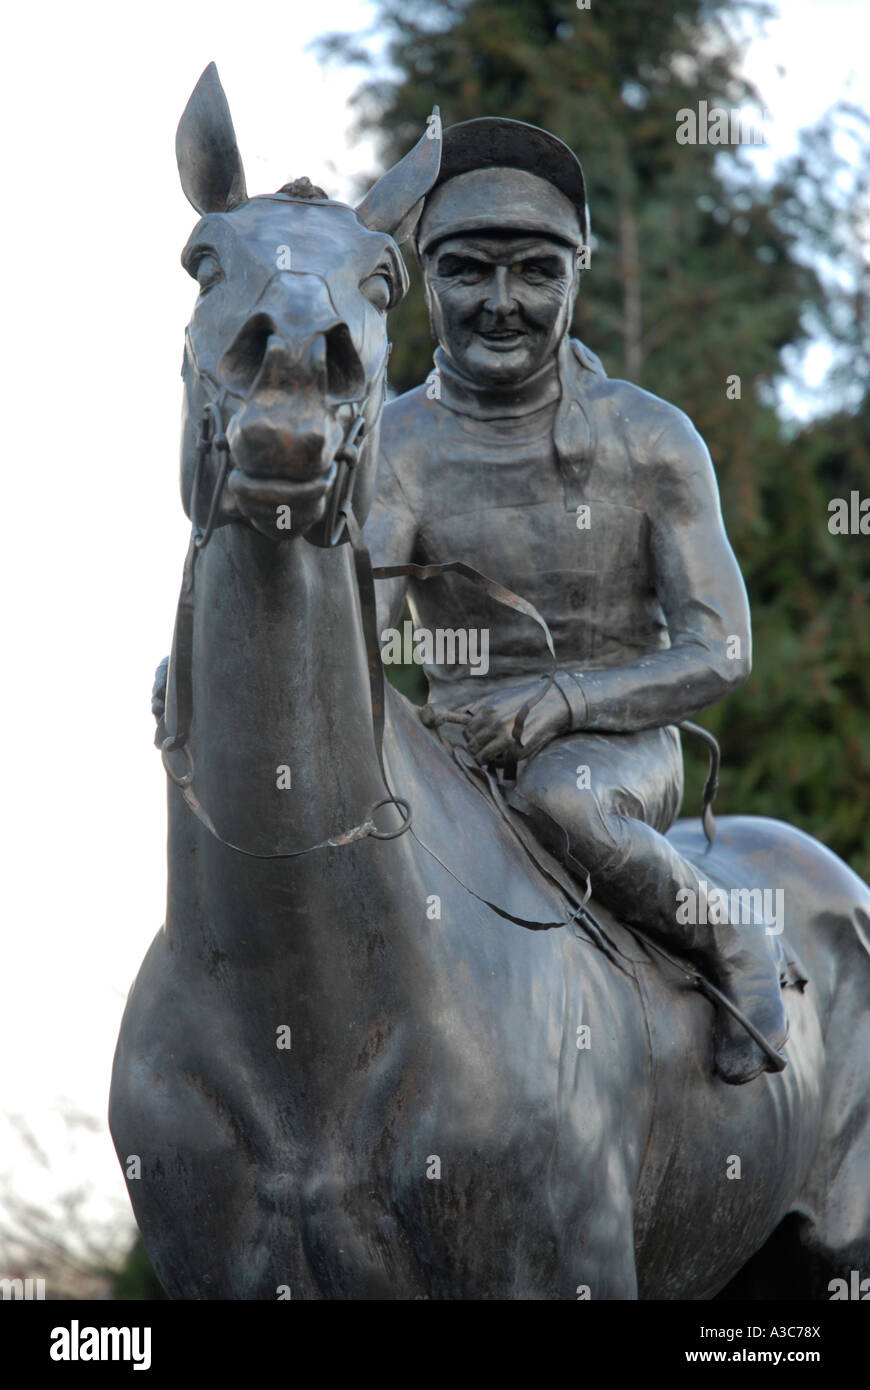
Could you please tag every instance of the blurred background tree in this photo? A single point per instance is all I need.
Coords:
(701, 271)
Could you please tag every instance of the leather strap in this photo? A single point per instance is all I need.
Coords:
(510, 600)
(575, 698)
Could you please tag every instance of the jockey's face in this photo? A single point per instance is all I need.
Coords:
(500, 303)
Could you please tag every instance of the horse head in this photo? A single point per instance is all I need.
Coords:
(286, 352)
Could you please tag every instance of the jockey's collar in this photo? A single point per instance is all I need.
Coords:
(467, 397)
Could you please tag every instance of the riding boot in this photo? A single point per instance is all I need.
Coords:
(735, 956)
(741, 966)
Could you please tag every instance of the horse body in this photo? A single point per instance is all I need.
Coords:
(433, 1130)
(344, 1073)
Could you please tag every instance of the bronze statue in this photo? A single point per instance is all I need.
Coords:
(382, 1048)
(597, 502)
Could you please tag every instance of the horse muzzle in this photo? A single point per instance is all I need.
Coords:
(295, 415)
(283, 455)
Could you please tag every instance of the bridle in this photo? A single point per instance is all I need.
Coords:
(340, 519)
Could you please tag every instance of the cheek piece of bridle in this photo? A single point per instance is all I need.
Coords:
(341, 525)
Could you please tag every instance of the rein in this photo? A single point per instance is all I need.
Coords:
(340, 521)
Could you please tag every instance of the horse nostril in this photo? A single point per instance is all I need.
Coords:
(243, 359)
(259, 356)
(345, 378)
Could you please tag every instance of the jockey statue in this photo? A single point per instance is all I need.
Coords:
(596, 501)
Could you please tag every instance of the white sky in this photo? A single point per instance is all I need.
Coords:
(95, 307)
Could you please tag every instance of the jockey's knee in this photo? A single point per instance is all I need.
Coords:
(573, 818)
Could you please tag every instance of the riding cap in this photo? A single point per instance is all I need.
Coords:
(539, 185)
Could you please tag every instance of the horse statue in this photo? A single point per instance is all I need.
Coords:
(375, 1051)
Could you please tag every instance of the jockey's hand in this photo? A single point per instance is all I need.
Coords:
(488, 732)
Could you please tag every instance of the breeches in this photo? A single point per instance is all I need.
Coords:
(601, 788)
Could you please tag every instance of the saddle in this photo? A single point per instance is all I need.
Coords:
(626, 946)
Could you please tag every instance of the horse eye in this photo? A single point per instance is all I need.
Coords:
(378, 290)
(208, 271)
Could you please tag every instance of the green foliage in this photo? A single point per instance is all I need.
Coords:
(700, 271)
(410, 680)
(136, 1278)
(797, 736)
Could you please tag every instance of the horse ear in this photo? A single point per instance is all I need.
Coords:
(205, 146)
(395, 202)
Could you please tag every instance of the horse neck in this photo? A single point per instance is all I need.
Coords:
(281, 732)
(280, 679)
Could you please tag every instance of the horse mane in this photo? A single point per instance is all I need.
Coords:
(303, 188)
